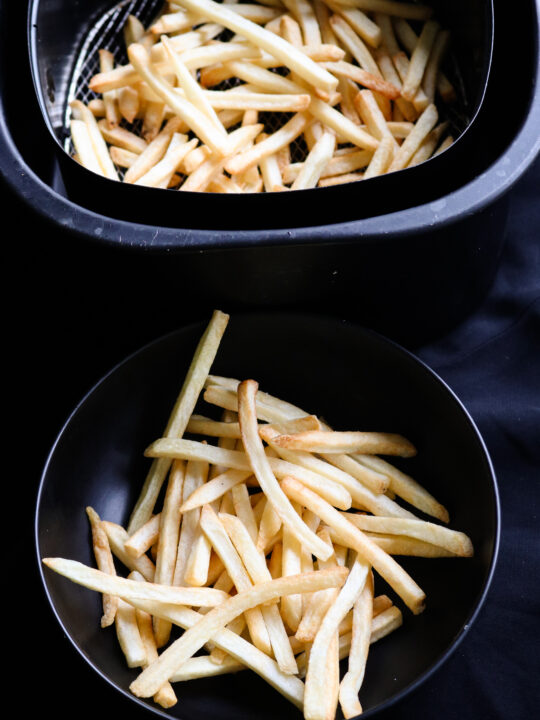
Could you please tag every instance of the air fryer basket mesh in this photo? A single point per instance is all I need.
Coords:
(107, 33)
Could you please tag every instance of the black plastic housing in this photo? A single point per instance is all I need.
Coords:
(411, 274)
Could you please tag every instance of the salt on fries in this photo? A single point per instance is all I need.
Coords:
(312, 77)
(267, 546)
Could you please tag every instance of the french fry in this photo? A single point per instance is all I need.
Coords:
(153, 677)
(419, 60)
(129, 636)
(347, 442)
(81, 112)
(360, 640)
(129, 103)
(131, 590)
(382, 157)
(290, 56)
(320, 700)
(316, 161)
(117, 540)
(146, 536)
(454, 541)
(406, 487)
(347, 534)
(182, 411)
(106, 63)
(354, 44)
(423, 126)
(195, 477)
(412, 11)
(216, 533)
(105, 563)
(160, 175)
(169, 530)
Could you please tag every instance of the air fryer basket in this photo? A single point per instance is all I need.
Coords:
(64, 41)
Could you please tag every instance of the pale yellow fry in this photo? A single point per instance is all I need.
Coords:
(182, 411)
(261, 101)
(218, 655)
(431, 73)
(105, 563)
(165, 696)
(133, 30)
(288, 685)
(153, 117)
(155, 150)
(146, 536)
(122, 137)
(216, 533)
(400, 545)
(382, 157)
(259, 573)
(282, 137)
(129, 103)
(354, 44)
(370, 112)
(446, 143)
(197, 568)
(317, 705)
(82, 112)
(201, 125)
(315, 162)
(202, 176)
(215, 488)
(337, 494)
(203, 666)
(106, 63)
(269, 525)
(360, 641)
(427, 148)
(131, 590)
(117, 539)
(276, 46)
(162, 172)
(169, 530)
(423, 126)
(153, 677)
(195, 477)
(190, 86)
(341, 125)
(452, 540)
(406, 487)
(375, 481)
(420, 100)
(304, 14)
(244, 510)
(291, 564)
(419, 60)
(129, 637)
(347, 534)
(412, 11)
(363, 26)
(347, 442)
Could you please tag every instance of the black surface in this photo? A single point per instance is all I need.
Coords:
(70, 320)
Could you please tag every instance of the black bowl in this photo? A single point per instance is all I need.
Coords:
(351, 377)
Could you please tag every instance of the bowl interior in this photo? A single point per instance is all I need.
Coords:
(351, 377)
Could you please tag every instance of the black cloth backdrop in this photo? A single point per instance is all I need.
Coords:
(70, 331)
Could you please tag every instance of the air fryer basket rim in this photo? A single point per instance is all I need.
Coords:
(299, 207)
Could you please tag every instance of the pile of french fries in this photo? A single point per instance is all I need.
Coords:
(277, 95)
(262, 546)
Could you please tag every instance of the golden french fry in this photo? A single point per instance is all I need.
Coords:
(105, 563)
(347, 442)
(153, 677)
(347, 534)
(182, 411)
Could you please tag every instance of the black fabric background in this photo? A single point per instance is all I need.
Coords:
(68, 329)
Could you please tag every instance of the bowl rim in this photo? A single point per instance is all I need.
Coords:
(298, 317)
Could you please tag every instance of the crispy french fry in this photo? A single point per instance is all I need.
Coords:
(360, 640)
(105, 563)
(145, 537)
(345, 442)
(182, 411)
(393, 573)
(153, 677)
